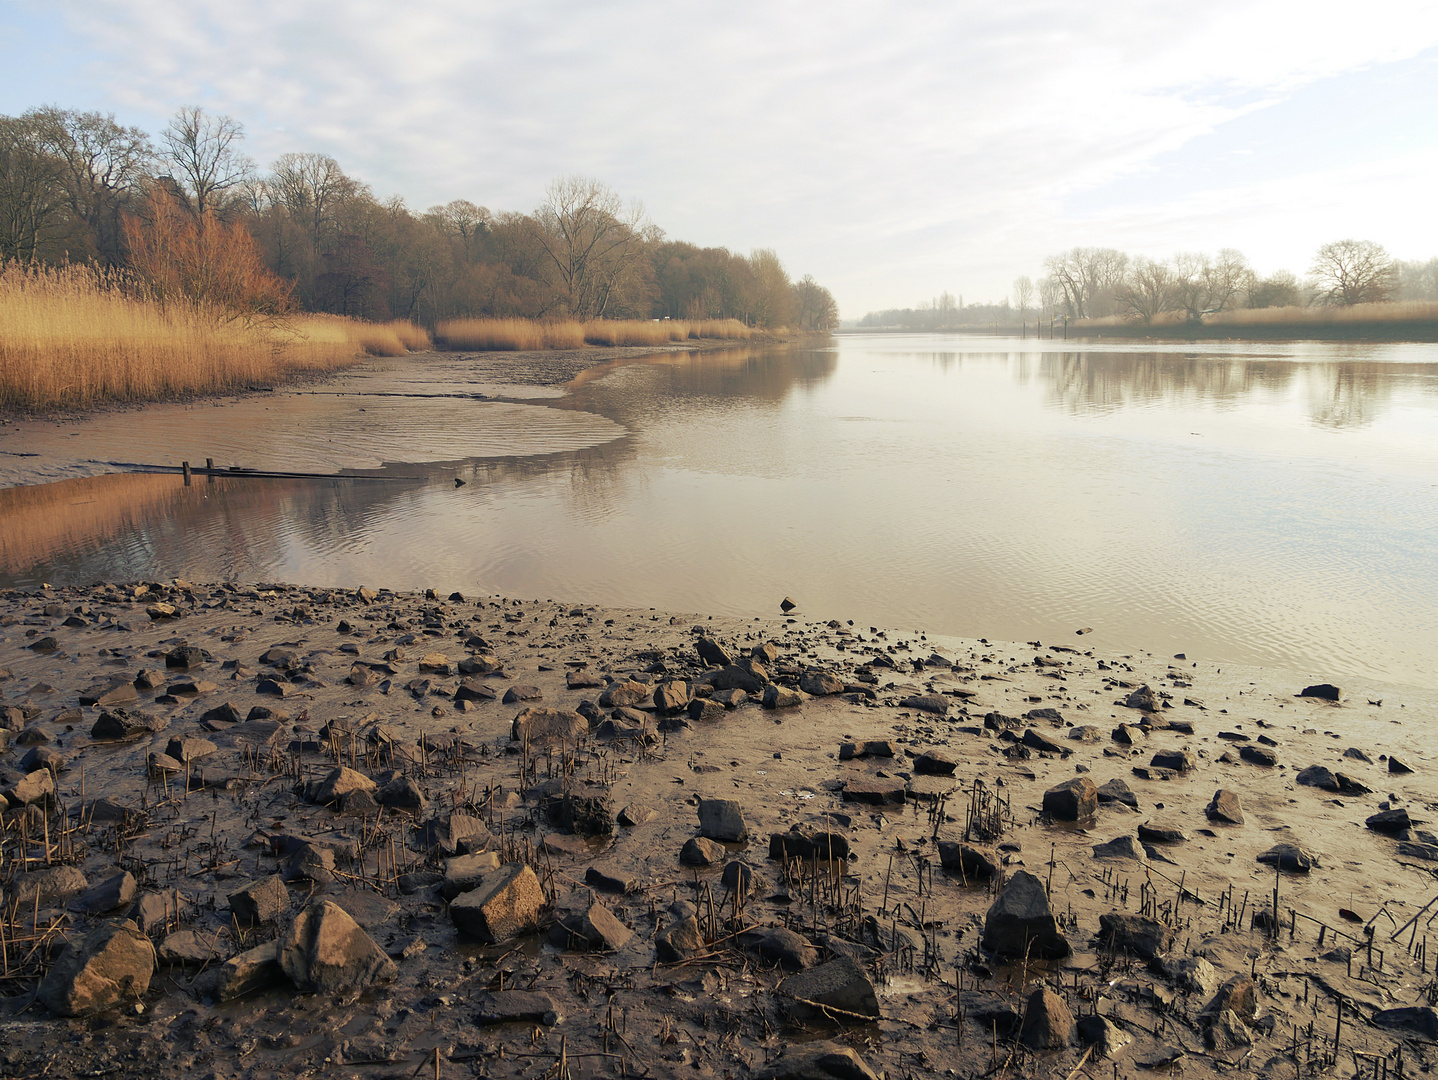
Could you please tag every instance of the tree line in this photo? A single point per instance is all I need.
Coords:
(1099, 282)
(79, 187)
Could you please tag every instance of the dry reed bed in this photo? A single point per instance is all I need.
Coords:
(532, 335)
(72, 338)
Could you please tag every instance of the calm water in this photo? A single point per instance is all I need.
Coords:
(1257, 503)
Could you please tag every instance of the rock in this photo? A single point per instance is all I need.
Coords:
(260, 902)
(1290, 857)
(1020, 923)
(120, 724)
(401, 793)
(781, 697)
(506, 905)
(249, 971)
(698, 851)
(712, 653)
(154, 911)
(52, 885)
(184, 657)
(1086, 733)
(806, 841)
(311, 862)
(1258, 755)
(36, 787)
(339, 783)
(325, 951)
(704, 710)
(537, 724)
(1179, 761)
(1389, 821)
(1143, 698)
(455, 834)
(1317, 776)
(1102, 1034)
(1225, 807)
(1116, 791)
(787, 605)
(820, 683)
(748, 675)
(521, 692)
(115, 891)
(1161, 832)
(186, 948)
(636, 814)
(680, 941)
(1048, 1023)
(1133, 934)
(780, 946)
(628, 693)
(111, 695)
(1128, 734)
(1038, 741)
(1324, 691)
(1355, 754)
(934, 763)
(876, 792)
(1226, 1031)
(111, 965)
(969, 862)
(517, 1006)
(818, 1061)
(473, 691)
(722, 819)
(738, 876)
(465, 873)
(1073, 800)
(1412, 850)
(935, 704)
(190, 748)
(1397, 767)
(840, 984)
(671, 696)
(1121, 847)
(585, 924)
(1238, 995)
(1191, 974)
(1414, 1020)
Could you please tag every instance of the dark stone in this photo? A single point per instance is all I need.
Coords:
(1179, 761)
(1389, 821)
(1116, 791)
(1258, 755)
(111, 965)
(876, 792)
(841, 984)
(777, 945)
(1048, 1023)
(1225, 807)
(1134, 934)
(969, 862)
(506, 905)
(521, 692)
(712, 653)
(934, 763)
(1020, 922)
(1037, 741)
(1324, 691)
(260, 902)
(1073, 800)
(698, 851)
(1414, 1020)
(325, 951)
(122, 724)
(516, 1006)
(935, 704)
(805, 841)
(818, 1061)
(722, 819)
(1289, 857)
(1161, 832)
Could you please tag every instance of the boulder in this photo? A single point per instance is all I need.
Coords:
(1179, 761)
(722, 819)
(747, 675)
(806, 841)
(1145, 938)
(254, 969)
(1144, 698)
(538, 724)
(820, 683)
(1161, 832)
(1073, 800)
(712, 653)
(1238, 995)
(115, 891)
(1102, 1034)
(260, 902)
(780, 946)
(32, 788)
(521, 692)
(1419, 1020)
(1020, 923)
(455, 834)
(1389, 821)
(628, 693)
(1048, 1023)
(700, 851)
(516, 1006)
(934, 763)
(842, 985)
(1322, 691)
(782, 697)
(969, 862)
(934, 704)
(111, 965)
(584, 923)
(671, 696)
(326, 952)
(1289, 857)
(506, 905)
(680, 940)
(53, 885)
(1121, 847)
(1225, 807)
(122, 724)
(339, 783)
(1036, 740)
(1117, 791)
(1258, 755)
(875, 792)
(465, 873)
(818, 1061)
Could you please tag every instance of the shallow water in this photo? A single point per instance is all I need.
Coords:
(1257, 503)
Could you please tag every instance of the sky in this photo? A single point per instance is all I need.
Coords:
(893, 150)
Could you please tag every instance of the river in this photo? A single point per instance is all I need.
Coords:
(1256, 503)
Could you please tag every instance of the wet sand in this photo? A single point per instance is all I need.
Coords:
(408, 690)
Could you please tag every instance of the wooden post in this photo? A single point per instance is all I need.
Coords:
(185, 470)
(209, 470)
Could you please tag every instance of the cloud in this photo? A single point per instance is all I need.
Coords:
(885, 149)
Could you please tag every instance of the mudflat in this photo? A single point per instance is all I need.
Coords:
(260, 829)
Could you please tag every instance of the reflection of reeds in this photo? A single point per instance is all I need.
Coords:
(71, 337)
(51, 520)
(533, 335)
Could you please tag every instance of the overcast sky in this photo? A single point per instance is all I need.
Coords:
(892, 150)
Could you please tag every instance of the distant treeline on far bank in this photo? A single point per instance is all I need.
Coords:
(1353, 288)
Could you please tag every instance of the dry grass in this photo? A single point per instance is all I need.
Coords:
(72, 338)
(532, 335)
(1354, 315)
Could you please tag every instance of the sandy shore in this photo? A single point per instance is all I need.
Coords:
(620, 958)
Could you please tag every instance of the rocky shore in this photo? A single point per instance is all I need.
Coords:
(256, 830)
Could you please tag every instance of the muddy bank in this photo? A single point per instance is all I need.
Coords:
(371, 419)
(261, 830)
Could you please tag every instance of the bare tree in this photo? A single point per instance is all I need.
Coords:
(1089, 279)
(32, 196)
(593, 243)
(311, 188)
(1279, 289)
(1353, 272)
(103, 167)
(1023, 294)
(204, 152)
(1149, 290)
(814, 306)
(771, 293)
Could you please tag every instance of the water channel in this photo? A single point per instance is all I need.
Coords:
(1264, 503)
